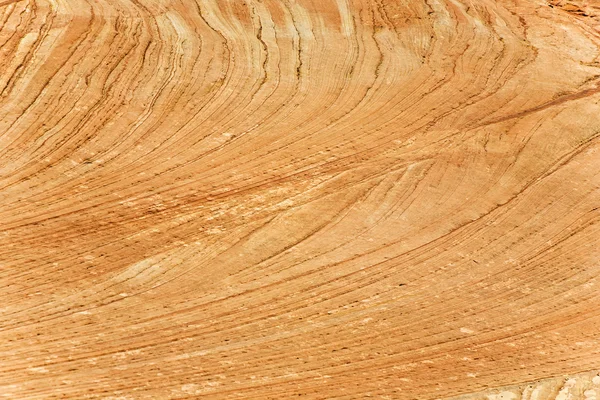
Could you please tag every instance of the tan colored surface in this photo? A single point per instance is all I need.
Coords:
(267, 199)
(582, 386)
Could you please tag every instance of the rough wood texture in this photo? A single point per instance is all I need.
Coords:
(264, 199)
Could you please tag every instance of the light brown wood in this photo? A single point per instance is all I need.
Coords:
(270, 199)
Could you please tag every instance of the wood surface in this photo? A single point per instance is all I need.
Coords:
(325, 199)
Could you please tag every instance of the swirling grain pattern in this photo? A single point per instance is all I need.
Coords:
(266, 199)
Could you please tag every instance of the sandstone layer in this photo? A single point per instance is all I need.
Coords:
(331, 199)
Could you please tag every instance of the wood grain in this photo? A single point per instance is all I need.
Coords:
(267, 199)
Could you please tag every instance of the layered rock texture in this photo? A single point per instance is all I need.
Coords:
(327, 199)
